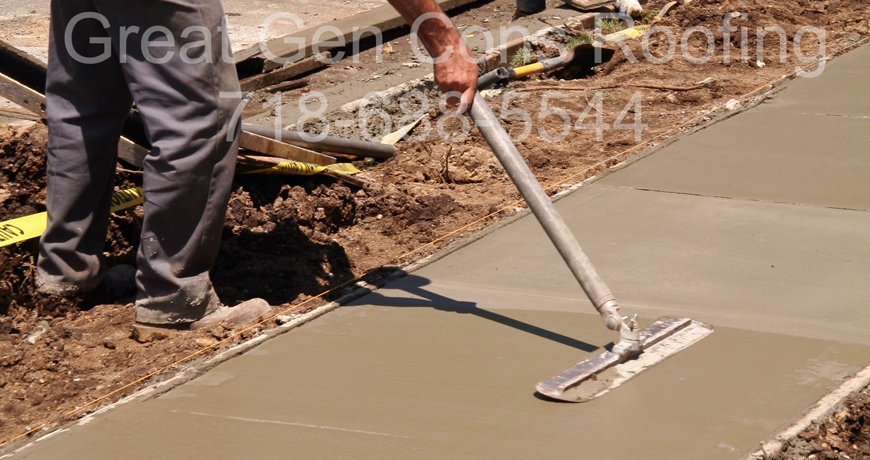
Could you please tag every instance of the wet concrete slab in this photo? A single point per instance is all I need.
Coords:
(443, 363)
(416, 381)
(796, 270)
(807, 147)
(834, 91)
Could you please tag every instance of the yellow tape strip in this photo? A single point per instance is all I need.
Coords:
(626, 34)
(296, 168)
(32, 226)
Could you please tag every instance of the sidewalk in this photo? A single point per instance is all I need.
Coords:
(757, 225)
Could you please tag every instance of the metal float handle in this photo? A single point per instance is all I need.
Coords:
(553, 224)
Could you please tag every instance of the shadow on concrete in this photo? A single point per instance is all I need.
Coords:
(414, 285)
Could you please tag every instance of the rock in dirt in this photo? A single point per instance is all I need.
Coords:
(41, 328)
(732, 105)
(473, 165)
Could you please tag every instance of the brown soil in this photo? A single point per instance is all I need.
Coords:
(843, 435)
(289, 238)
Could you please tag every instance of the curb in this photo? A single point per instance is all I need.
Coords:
(819, 411)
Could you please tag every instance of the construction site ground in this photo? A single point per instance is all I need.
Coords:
(755, 225)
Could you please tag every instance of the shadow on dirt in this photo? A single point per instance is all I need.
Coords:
(277, 266)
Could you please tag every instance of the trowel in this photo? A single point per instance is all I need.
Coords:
(637, 349)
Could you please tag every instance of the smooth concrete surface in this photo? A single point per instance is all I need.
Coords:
(808, 146)
(841, 89)
(421, 380)
(767, 267)
(442, 363)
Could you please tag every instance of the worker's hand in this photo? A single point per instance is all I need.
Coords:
(455, 69)
(457, 73)
(631, 7)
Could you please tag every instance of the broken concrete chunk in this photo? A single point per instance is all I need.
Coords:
(284, 319)
(41, 328)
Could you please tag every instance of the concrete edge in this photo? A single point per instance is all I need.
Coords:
(450, 248)
(818, 412)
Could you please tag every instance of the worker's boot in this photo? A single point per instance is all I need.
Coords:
(118, 282)
(233, 317)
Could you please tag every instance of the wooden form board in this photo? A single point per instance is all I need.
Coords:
(285, 73)
(271, 147)
(22, 95)
(35, 102)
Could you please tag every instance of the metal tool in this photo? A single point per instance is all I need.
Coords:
(666, 336)
(585, 56)
(328, 143)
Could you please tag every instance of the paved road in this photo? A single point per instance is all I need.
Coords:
(757, 225)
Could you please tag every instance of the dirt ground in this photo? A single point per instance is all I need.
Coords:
(287, 239)
(843, 435)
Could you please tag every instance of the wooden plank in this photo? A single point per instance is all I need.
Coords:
(35, 102)
(22, 67)
(383, 18)
(18, 114)
(287, 86)
(22, 95)
(271, 147)
(131, 152)
(287, 72)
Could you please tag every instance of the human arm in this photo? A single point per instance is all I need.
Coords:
(455, 70)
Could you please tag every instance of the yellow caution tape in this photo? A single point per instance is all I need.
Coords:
(626, 34)
(127, 198)
(32, 226)
(296, 168)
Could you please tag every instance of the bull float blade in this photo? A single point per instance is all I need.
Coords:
(601, 373)
(636, 350)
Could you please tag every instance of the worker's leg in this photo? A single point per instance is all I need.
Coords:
(181, 88)
(86, 104)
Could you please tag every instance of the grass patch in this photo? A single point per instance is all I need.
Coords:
(609, 26)
(583, 39)
(523, 57)
(650, 15)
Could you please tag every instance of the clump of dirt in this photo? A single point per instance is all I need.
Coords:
(277, 240)
(22, 170)
(843, 435)
(23, 192)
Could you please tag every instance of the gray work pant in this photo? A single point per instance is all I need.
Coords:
(98, 66)
(531, 6)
